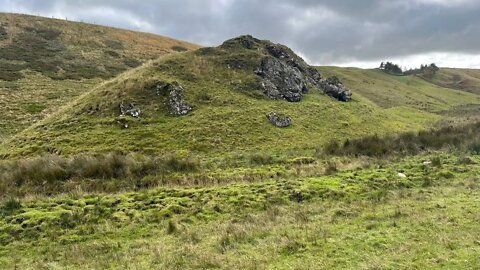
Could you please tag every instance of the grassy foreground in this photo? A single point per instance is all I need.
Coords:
(357, 219)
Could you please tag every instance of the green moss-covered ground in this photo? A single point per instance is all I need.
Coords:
(355, 219)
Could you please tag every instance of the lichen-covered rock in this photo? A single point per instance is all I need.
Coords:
(284, 74)
(279, 121)
(129, 109)
(175, 101)
(176, 104)
(334, 88)
(281, 81)
(314, 77)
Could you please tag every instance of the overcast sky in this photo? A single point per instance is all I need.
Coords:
(325, 32)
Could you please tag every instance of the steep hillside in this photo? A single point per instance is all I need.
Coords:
(47, 62)
(226, 100)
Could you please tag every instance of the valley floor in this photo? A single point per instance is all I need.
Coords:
(369, 218)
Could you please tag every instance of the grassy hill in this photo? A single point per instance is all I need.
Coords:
(363, 184)
(48, 62)
(229, 110)
(462, 79)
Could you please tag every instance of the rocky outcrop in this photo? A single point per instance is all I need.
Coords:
(129, 109)
(176, 104)
(334, 88)
(284, 74)
(281, 80)
(279, 121)
(175, 101)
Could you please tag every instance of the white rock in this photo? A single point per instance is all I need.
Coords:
(401, 175)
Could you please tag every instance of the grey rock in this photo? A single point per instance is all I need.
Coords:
(284, 74)
(129, 109)
(281, 81)
(334, 88)
(176, 104)
(175, 100)
(279, 121)
(314, 77)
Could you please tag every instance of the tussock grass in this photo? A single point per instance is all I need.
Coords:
(50, 174)
(466, 138)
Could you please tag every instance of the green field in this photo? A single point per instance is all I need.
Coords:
(358, 219)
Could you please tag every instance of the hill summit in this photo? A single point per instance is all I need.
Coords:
(285, 74)
(276, 71)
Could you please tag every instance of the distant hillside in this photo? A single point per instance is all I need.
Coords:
(224, 87)
(61, 49)
(47, 62)
(390, 91)
(461, 79)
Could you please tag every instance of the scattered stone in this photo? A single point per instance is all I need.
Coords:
(279, 121)
(401, 175)
(129, 109)
(334, 88)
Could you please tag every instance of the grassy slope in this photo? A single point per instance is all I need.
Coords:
(229, 113)
(392, 91)
(360, 219)
(462, 79)
(47, 62)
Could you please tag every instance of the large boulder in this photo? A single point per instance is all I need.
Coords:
(278, 120)
(281, 81)
(284, 74)
(334, 88)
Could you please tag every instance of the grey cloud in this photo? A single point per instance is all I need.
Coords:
(324, 32)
